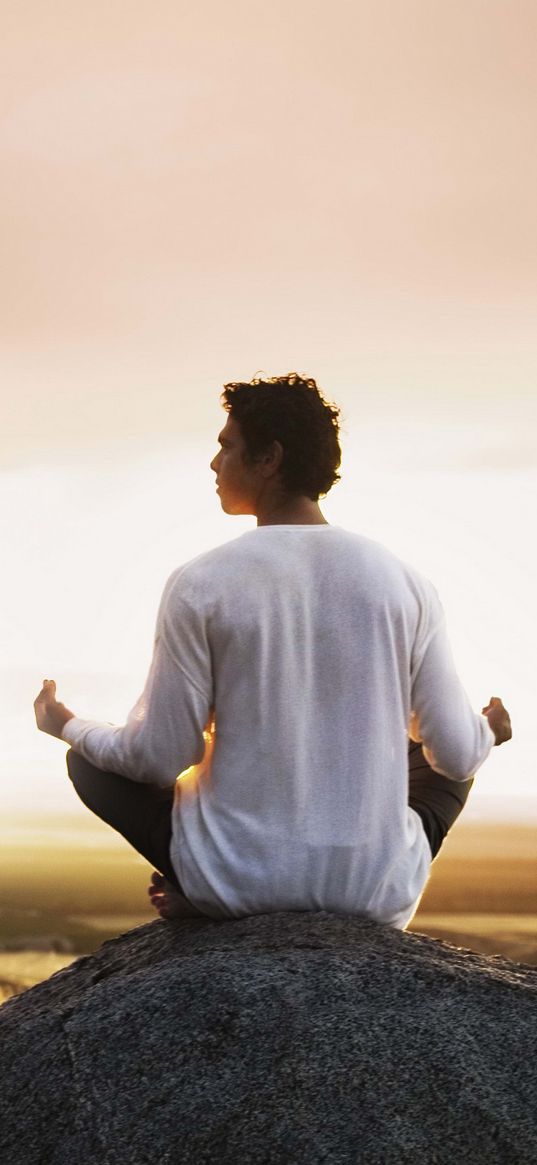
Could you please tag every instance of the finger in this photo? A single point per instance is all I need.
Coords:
(48, 692)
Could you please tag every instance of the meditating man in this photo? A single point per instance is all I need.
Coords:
(303, 691)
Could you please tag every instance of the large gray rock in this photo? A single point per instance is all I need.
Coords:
(300, 1038)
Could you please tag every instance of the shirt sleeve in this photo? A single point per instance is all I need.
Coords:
(163, 734)
(456, 740)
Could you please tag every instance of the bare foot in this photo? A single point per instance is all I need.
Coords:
(165, 898)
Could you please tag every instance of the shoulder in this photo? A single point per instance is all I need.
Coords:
(196, 578)
(378, 556)
(393, 580)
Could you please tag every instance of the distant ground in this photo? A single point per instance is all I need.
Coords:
(66, 887)
(482, 893)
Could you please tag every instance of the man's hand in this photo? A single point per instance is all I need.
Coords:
(499, 719)
(49, 714)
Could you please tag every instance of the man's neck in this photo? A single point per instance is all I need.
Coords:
(295, 511)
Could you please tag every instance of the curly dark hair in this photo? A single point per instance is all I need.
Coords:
(292, 410)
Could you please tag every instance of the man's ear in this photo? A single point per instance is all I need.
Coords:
(271, 460)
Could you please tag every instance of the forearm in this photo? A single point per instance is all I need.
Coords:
(456, 740)
(131, 754)
(163, 734)
(103, 745)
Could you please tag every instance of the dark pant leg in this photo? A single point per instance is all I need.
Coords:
(140, 812)
(437, 799)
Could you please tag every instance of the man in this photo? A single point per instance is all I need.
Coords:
(289, 667)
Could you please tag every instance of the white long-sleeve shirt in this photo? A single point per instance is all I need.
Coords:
(286, 666)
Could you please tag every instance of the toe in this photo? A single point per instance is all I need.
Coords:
(157, 884)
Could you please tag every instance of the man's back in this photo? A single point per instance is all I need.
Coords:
(313, 640)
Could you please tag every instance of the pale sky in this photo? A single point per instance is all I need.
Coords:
(191, 194)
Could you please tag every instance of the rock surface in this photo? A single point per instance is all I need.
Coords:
(296, 1038)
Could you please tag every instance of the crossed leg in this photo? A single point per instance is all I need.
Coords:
(141, 813)
(436, 799)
